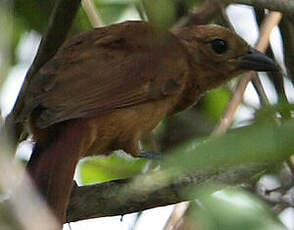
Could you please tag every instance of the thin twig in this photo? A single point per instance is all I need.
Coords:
(265, 30)
(232, 106)
(176, 215)
(200, 15)
(287, 32)
(260, 90)
(26, 206)
(266, 27)
(92, 13)
(61, 18)
(60, 23)
(284, 6)
(207, 11)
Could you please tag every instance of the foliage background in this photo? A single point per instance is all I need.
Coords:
(24, 22)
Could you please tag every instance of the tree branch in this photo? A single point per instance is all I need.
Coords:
(287, 31)
(209, 9)
(60, 22)
(93, 15)
(201, 15)
(147, 191)
(266, 27)
(229, 159)
(284, 6)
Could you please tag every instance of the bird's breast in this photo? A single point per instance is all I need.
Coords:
(123, 128)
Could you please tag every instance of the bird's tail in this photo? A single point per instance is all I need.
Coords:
(52, 166)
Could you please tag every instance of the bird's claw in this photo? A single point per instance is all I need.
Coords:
(150, 156)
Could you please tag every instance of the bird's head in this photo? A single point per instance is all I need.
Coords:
(218, 54)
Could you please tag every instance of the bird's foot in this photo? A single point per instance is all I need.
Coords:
(150, 156)
(74, 186)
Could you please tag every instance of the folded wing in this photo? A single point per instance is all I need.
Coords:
(115, 67)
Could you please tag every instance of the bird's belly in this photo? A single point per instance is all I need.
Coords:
(123, 128)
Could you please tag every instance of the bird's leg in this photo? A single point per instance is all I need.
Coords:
(150, 155)
(154, 153)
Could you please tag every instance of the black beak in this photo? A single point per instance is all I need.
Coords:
(255, 60)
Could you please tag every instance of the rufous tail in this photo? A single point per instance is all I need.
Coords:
(52, 167)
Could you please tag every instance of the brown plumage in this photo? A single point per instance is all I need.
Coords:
(107, 87)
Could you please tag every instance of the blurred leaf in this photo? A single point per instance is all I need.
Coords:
(232, 209)
(111, 10)
(261, 143)
(182, 7)
(101, 169)
(160, 13)
(281, 110)
(5, 40)
(82, 20)
(18, 29)
(287, 32)
(35, 14)
(215, 102)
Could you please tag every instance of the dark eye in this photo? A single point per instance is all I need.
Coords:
(219, 46)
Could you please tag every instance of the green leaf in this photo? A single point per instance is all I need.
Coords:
(215, 102)
(101, 169)
(35, 14)
(160, 13)
(232, 209)
(261, 143)
(82, 20)
(111, 10)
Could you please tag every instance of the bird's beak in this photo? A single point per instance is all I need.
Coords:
(255, 60)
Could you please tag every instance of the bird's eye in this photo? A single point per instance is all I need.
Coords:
(219, 46)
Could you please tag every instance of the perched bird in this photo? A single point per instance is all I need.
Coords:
(107, 87)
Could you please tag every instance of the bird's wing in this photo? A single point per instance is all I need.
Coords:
(104, 74)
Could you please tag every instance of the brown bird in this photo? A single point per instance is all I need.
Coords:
(107, 87)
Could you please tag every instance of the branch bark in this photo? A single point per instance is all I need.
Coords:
(148, 191)
(283, 6)
(93, 15)
(201, 15)
(287, 31)
(266, 27)
(210, 8)
(60, 23)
